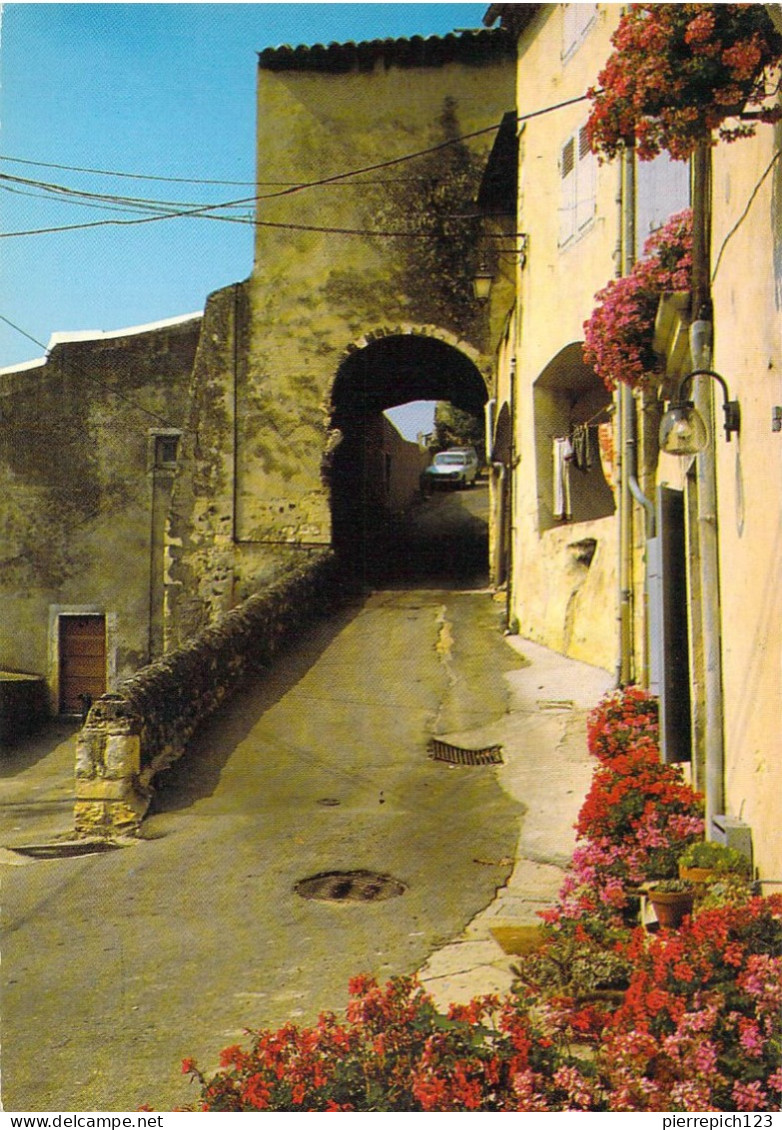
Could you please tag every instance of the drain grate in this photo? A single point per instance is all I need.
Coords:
(349, 886)
(457, 755)
(66, 850)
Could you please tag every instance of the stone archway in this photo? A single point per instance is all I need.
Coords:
(383, 369)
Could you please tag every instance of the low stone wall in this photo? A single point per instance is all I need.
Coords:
(146, 725)
(24, 705)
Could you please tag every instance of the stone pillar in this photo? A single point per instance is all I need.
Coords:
(109, 798)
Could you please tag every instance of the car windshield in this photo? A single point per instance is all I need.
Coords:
(449, 457)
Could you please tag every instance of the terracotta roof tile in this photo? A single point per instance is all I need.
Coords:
(472, 47)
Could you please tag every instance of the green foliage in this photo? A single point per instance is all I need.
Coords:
(715, 857)
(436, 199)
(455, 428)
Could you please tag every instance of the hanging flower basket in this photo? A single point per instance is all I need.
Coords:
(619, 335)
(682, 74)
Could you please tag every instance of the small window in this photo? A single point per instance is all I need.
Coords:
(166, 450)
(577, 20)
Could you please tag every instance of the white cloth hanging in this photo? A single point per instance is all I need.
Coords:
(563, 453)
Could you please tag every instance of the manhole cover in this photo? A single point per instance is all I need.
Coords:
(457, 755)
(66, 850)
(349, 886)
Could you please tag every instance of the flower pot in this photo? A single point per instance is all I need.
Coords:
(671, 906)
(698, 874)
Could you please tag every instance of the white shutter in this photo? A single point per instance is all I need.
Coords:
(575, 24)
(586, 181)
(567, 194)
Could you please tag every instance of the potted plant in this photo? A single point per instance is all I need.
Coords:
(671, 900)
(706, 861)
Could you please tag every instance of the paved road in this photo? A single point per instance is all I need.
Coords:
(118, 965)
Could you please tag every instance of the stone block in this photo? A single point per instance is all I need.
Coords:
(122, 757)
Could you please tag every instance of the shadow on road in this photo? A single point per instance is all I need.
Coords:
(196, 774)
(29, 750)
(442, 540)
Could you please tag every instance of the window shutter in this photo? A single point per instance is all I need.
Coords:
(567, 196)
(586, 181)
(576, 22)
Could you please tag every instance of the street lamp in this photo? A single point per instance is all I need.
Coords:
(682, 430)
(482, 280)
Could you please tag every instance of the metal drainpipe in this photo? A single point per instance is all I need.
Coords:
(631, 447)
(511, 563)
(627, 259)
(706, 472)
(500, 519)
(620, 438)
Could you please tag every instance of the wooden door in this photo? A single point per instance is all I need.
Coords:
(82, 661)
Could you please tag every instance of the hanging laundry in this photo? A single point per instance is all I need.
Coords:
(563, 455)
(582, 447)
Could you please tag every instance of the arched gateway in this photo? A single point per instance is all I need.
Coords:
(385, 368)
(369, 162)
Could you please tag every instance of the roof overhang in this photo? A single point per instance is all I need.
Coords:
(499, 184)
(513, 17)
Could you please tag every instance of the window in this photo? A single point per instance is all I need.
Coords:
(577, 20)
(662, 188)
(578, 186)
(164, 449)
(570, 405)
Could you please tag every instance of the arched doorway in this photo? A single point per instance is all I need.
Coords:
(382, 371)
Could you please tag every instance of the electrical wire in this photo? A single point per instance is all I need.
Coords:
(745, 213)
(183, 180)
(203, 210)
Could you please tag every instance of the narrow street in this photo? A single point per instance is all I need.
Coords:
(118, 965)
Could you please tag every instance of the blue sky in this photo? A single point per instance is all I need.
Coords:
(165, 90)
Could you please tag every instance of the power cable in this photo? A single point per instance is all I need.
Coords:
(179, 180)
(115, 173)
(107, 207)
(201, 210)
(745, 213)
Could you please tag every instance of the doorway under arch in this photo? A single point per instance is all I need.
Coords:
(383, 371)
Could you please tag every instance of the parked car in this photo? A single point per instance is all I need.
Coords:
(456, 467)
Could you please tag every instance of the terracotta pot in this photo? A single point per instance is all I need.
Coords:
(671, 906)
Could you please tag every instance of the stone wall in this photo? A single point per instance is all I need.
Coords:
(132, 735)
(81, 498)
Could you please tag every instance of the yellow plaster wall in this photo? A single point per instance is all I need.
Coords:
(552, 602)
(748, 353)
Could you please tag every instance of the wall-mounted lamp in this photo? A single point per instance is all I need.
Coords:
(482, 281)
(682, 430)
